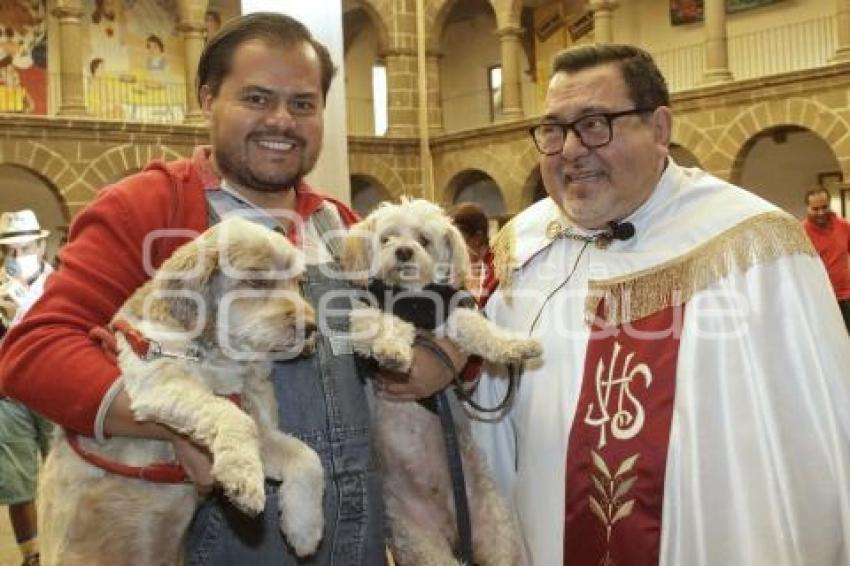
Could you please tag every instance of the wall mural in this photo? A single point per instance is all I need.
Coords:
(133, 60)
(23, 56)
(691, 11)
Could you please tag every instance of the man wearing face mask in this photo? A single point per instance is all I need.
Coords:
(24, 435)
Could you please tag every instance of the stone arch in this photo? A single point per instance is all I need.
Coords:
(726, 160)
(377, 168)
(805, 159)
(120, 161)
(25, 188)
(456, 184)
(377, 12)
(357, 181)
(486, 160)
(529, 163)
(530, 188)
(436, 14)
(44, 163)
(507, 12)
(685, 134)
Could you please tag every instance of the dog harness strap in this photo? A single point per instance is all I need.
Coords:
(166, 472)
(453, 458)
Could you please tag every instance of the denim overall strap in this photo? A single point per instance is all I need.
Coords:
(324, 400)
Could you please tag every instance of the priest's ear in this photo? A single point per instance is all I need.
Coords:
(662, 124)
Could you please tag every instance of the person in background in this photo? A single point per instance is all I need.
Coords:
(831, 237)
(473, 224)
(690, 406)
(24, 435)
(262, 84)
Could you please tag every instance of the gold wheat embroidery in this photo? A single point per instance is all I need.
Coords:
(610, 507)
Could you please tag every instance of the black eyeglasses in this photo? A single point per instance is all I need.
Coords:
(594, 130)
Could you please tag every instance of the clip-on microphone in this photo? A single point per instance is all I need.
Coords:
(620, 230)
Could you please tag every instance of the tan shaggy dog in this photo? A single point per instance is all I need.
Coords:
(414, 248)
(231, 296)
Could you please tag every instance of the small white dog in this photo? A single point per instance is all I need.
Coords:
(413, 254)
(229, 302)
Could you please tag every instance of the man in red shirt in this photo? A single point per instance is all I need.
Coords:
(831, 238)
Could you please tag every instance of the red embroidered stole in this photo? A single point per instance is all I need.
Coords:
(617, 450)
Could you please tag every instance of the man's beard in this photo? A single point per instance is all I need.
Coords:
(243, 175)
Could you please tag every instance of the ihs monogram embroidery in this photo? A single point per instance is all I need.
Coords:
(624, 424)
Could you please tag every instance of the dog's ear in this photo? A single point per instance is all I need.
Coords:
(357, 250)
(459, 260)
(183, 281)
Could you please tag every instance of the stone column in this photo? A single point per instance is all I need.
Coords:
(435, 101)
(72, 101)
(603, 14)
(402, 95)
(509, 40)
(191, 27)
(842, 31)
(716, 50)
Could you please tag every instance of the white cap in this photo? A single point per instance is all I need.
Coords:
(20, 227)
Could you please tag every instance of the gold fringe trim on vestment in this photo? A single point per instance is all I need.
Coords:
(756, 240)
(503, 248)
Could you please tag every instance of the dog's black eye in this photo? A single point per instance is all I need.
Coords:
(384, 239)
(424, 241)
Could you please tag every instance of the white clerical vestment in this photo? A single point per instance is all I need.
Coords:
(741, 397)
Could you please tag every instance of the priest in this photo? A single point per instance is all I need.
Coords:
(691, 403)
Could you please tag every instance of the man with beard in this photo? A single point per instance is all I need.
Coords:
(831, 237)
(690, 406)
(262, 84)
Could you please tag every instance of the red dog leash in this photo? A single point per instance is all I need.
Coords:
(146, 349)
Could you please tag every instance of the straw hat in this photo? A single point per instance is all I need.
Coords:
(20, 227)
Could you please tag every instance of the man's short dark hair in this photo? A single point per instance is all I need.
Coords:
(646, 84)
(470, 219)
(817, 190)
(274, 29)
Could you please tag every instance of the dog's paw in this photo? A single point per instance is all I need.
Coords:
(301, 508)
(522, 349)
(242, 479)
(393, 355)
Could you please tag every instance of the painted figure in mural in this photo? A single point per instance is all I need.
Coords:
(23, 56)
(156, 61)
(108, 38)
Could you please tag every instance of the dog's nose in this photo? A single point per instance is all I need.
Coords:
(403, 253)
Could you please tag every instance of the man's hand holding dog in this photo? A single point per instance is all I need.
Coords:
(428, 373)
(196, 461)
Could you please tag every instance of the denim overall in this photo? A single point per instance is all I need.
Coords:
(323, 400)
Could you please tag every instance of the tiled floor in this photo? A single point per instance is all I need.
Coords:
(9, 555)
